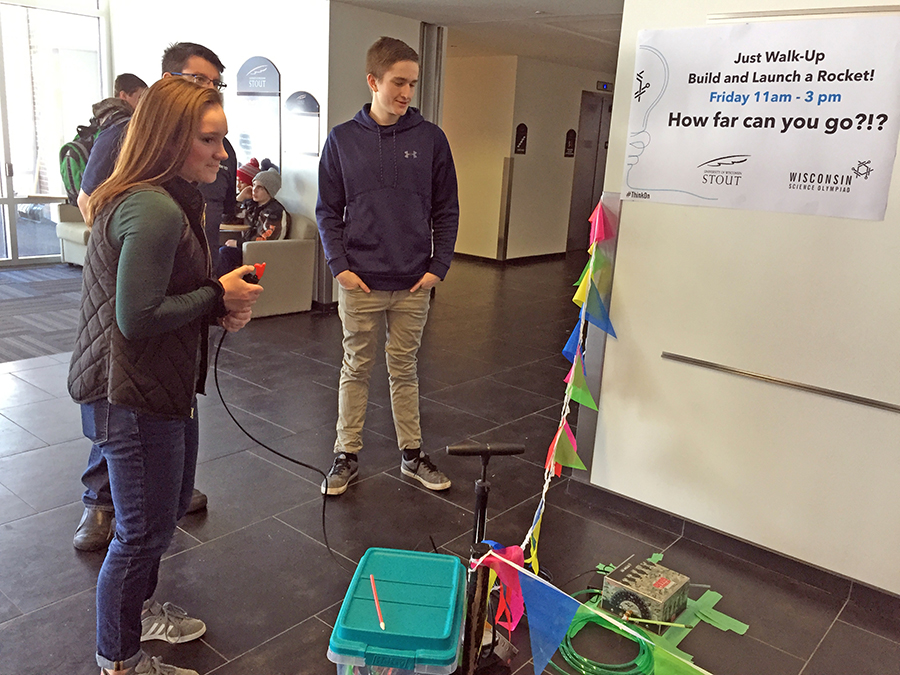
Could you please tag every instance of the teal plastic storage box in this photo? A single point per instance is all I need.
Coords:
(422, 598)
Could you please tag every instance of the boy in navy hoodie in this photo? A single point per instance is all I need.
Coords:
(388, 215)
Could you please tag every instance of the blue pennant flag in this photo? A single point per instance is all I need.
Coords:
(550, 613)
(596, 312)
(572, 344)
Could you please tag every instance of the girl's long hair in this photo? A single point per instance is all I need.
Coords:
(158, 140)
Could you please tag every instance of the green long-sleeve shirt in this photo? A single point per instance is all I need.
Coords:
(146, 228)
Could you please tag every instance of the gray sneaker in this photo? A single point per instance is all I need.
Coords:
(170, 623)
(344, 469)
(151, 665)
(423, 470)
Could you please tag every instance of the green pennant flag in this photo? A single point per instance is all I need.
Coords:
(598, 261)
(565, 453)
(587, 267)
(602, 275)
(577, 388)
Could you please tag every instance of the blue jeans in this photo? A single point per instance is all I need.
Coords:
(96, 479)
(152, 462)
(229, 258)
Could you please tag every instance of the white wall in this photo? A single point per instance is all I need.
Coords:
(479, 97)
(548, 100)
(295, 39)
(810, 299)
(352, 31)
(485, 98)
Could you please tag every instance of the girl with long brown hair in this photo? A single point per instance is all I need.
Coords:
(140, 356)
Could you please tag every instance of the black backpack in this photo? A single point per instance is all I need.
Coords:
(73, 157)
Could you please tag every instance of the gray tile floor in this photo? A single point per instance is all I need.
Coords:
(254, 566)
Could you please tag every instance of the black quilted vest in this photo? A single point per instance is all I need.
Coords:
(160, 374)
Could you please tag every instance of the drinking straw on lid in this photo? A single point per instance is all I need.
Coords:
(377, 604)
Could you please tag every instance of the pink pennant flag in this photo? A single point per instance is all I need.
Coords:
(509, 577)
(557, 468)
(579, 361)
(601, 230)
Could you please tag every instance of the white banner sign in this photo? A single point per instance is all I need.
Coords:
(799, 116)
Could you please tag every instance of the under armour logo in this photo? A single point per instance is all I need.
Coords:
(409, 153)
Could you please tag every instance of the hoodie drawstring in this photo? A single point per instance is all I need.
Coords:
(381, 158)
(396, 166)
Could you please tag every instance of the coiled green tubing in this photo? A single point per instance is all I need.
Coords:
(642, 664)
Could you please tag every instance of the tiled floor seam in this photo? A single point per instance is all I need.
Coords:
(620, 531)
(773, 571)
(215, 391)
(214, 651)
(824, 635)
(434, 493)
(252, 414)
(92, 589)
(452, 407)
(287, 458)
(320, 543)
(222, 536)
(865, 630)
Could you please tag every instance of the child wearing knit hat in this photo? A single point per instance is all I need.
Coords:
(246, 172)
(262, 213)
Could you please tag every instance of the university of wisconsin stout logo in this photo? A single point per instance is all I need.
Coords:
(720, 171)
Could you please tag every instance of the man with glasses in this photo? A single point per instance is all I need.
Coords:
(200, 64)
(182, 59)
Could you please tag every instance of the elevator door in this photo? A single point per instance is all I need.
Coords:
(590, 165)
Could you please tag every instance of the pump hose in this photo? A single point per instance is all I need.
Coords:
(642, 664)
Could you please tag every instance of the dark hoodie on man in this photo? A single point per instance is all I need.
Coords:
(114, 115)
(387, 207)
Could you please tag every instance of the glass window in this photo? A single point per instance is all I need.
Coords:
(52, 68)
(51, 79)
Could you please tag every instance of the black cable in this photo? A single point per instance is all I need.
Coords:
(272, 450)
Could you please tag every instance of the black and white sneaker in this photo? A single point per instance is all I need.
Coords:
(344, 469)
(423, 470)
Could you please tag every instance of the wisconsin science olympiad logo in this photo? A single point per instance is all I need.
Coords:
(723, 171)
(821, 181)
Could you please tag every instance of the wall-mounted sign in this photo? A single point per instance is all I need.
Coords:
(258, 76)
(570, 143)
(256, 115)
(795, 116)
(303, 121)
(521, 139)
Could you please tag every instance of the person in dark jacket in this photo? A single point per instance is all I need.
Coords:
(388, 215)
(221, 202)
(188, 61)
(140, 354)
(262, 214)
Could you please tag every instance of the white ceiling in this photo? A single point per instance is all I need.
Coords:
(580, 33)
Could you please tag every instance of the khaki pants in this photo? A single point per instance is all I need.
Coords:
(362, 313)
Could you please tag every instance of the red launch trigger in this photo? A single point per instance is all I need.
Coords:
(254, 277)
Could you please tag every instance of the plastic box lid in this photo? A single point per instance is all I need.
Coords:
(422, 598)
